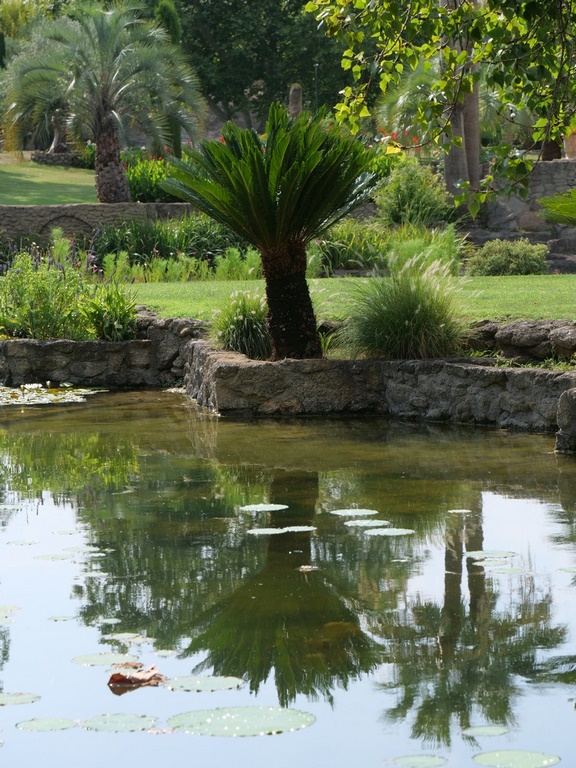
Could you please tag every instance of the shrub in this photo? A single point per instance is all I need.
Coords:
(110, 312)
(233, 265)
(241, 326)
(441, 244)
(414, 194)
(407, 315)
(352, 244)
(509, 257)
(193, 235)
(144, 179)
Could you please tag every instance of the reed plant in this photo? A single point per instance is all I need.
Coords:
(241, 326)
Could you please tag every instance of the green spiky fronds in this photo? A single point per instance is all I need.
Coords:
(287, 187)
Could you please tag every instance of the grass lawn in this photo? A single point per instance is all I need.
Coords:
(27, 183)
(534, 297)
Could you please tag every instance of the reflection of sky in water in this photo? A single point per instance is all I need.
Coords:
(353, 730)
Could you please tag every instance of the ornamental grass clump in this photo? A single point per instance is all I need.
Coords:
(409, 314)
(241, 326)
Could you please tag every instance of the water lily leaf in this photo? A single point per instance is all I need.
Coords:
(420, 761)
(299, 528)
(459, 511)
(119, 723)
(61, 618)
(568, 569)
(486, 730)
(103, 659)
(308, 568)
(18, 698)
(353, 512)
(367, 523)
(390, 532)
(511, 758)
(165, 652)
(136, 678)
(22, 542)
(125, 637)
(507, 570)
(58, 556)
(110, 621)
(265, 531)
(241, 721)
(263, 507)
(484, 554)
(208, 683)
(46, 724)
(492, 562)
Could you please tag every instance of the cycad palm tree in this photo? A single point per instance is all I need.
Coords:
(113, 69)
(279, 193)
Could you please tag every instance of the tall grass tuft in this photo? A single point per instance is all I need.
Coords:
(241, 326)
(409, 314)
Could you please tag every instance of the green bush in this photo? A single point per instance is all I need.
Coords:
(241, 326)
(110, 312)
(194, 235)
(39, 299)
(444, 245)
(410, 314)
(414, 194)
(144, 179)
(508, 257)
(351, 244)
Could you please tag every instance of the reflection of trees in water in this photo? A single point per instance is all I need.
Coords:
(459, 662)
(284, 622)
(4, 648)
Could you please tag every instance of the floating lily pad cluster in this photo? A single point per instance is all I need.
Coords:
(7, 614)
(497, 560)
(37, 394)
(371, 527)
(255, 508)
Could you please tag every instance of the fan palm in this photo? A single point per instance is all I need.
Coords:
(279, 193)
(113, 69)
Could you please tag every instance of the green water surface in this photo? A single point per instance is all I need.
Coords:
(122, 516)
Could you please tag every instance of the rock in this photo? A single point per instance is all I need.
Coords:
(564, 340)
(566, 417)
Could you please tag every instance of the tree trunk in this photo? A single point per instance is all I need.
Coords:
(291, 319)
(471, 126)
(455, 165)
(111, 181)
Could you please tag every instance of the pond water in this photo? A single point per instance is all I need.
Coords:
(122, 530)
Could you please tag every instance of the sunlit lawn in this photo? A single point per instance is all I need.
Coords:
(27, 183)
(496, 298)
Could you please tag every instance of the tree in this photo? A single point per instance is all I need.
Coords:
(279, 193)
(247, 53)
(167, 17)
(524, 49)
(112, 69)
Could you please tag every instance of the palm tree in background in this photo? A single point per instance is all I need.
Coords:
(114, 70)
(279, 193)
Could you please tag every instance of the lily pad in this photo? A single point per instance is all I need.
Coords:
(265, 531)
(390, 532)
(207, 683)
(484, 554)
(353, 512)
(22, 542)
(58, 556)
(458, 511)
(486, 730)
(366, 523)
(568, 569)
(110, 621)
(263, 507)
(420, 761)
(512, 758)
(61, 618)
(507, 570)
(299, 528)
(18, 698)
(241, 721)
(119, 723)
(46, 724)
(104, 659)
(128, 638)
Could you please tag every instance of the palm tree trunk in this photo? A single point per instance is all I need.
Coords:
(291, 319)
(111, 182)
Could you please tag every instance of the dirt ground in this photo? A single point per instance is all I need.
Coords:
(13, 157)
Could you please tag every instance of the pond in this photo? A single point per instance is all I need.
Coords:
(418, 607)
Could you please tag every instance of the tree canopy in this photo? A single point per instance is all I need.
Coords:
(524, 49)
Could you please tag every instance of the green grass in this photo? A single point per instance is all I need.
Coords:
(27, 183)
(534, 297)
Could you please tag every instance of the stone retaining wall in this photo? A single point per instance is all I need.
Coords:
(155, 359)
(80, 219)
(431, 390)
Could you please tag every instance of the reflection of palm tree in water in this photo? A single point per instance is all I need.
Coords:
(458, 663)
(286, 620)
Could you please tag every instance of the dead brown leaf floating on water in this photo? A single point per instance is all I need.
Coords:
(131, 678)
